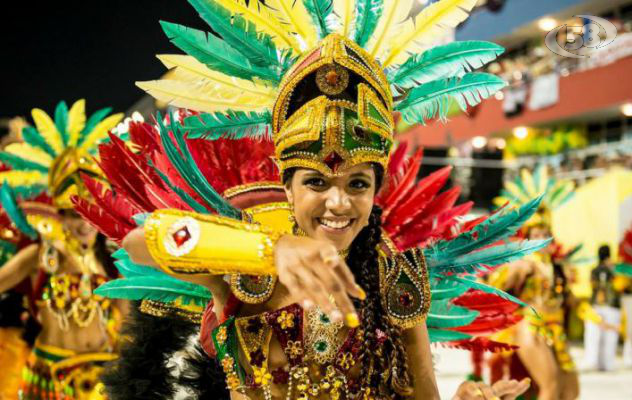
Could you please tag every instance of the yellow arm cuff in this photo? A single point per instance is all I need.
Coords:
(586, 313)
(190, 243)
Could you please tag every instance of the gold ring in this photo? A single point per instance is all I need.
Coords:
(330, 259)
(478, 392)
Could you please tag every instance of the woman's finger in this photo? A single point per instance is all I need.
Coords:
(313, 290)
(511, 389)
(487, 392)
(341, 269)
(336, 288)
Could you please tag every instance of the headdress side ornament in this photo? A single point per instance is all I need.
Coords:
(312, 75)
(529, 185)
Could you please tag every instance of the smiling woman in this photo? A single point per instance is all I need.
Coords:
(316, 292)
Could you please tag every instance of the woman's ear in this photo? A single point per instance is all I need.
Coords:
(288, 192)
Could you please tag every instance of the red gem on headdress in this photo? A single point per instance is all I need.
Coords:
(406, 299)
(181, 236)
(333, 161)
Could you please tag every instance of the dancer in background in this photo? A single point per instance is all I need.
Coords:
(68, 260)
(601, 341)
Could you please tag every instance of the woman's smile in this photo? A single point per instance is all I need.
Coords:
(335, 225)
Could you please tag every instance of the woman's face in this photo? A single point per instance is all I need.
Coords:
(333, 209)
(80, 229)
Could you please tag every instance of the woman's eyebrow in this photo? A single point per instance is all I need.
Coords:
(361, 174)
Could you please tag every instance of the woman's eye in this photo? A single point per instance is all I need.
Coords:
(359, 184)
(315, 182)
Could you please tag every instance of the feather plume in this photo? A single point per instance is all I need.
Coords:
(161, 288)
(113, 228)
(189, 69)
(322, 17)
(368, 13)
(189, 95)
(443, 314)
(265, 21)
(47, 129)
(33, 138)
(442, 289)
(61, 121)
(22, 164)
(431, 99)
(240, 34)
(233, 125)
(30, 153)
(92, 122)
(529, 183)
(183, 161)
(472, 284)
(215, 53)
(345, 11)
(294, 15)
(129, 269)
(10, 206)
(100, 131)
(490, 256)
(427, 26)
(442, 335)
(451, 60)
(394, 13)
(497, 227)
(76, 121)
(23, 178)
(188, 199)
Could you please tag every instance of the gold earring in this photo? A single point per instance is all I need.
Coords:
(291, 217)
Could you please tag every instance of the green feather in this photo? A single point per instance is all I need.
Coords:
(442, 289)
(140, 218)
(157, 288)
(7, 250)
(497, 227)
(443, 314)
(232, 124)
(237, 32)
(20, 164)
(197, 207)
(623, 269)
(33, 137)
(129, 269)
(61, 121)
(185, 164)
(321, 13)
(368, 13)
(490, 256)
(216, 54)
(431, 99)
(10, 205)
(450, 60)
(27, 192)
(472, 284)
(92, 122)
(441, 335)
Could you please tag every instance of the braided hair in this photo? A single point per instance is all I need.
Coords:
(383, 357)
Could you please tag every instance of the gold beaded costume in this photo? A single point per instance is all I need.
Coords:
(45, 173)
(286, 85)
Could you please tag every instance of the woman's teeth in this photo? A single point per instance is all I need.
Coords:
(335, 224)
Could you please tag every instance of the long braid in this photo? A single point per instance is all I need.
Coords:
(385, 365)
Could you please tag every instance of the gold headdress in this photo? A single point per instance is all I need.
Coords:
(55, 152)
(309, 73)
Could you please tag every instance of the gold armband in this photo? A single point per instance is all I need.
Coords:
(190, 243)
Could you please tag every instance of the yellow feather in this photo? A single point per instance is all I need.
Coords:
(201, 97)
(543, 179)
(293, 14)
(529, 183)
(100, 131)
(30, 153)
(393, 14)
(76, 121)
(46, 127)
(515, 190)
(264, 20)
(188, 69)
(344, 9)
(427, 26)
(23, 178)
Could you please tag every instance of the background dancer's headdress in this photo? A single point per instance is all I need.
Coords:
(526, 186)
(55, 152)
(320, 75)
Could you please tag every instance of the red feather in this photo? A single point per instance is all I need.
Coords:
(480, 344)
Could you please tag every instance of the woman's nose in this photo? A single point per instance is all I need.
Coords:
(337, 199)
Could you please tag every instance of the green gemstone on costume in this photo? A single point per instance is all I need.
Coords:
(321, 346)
